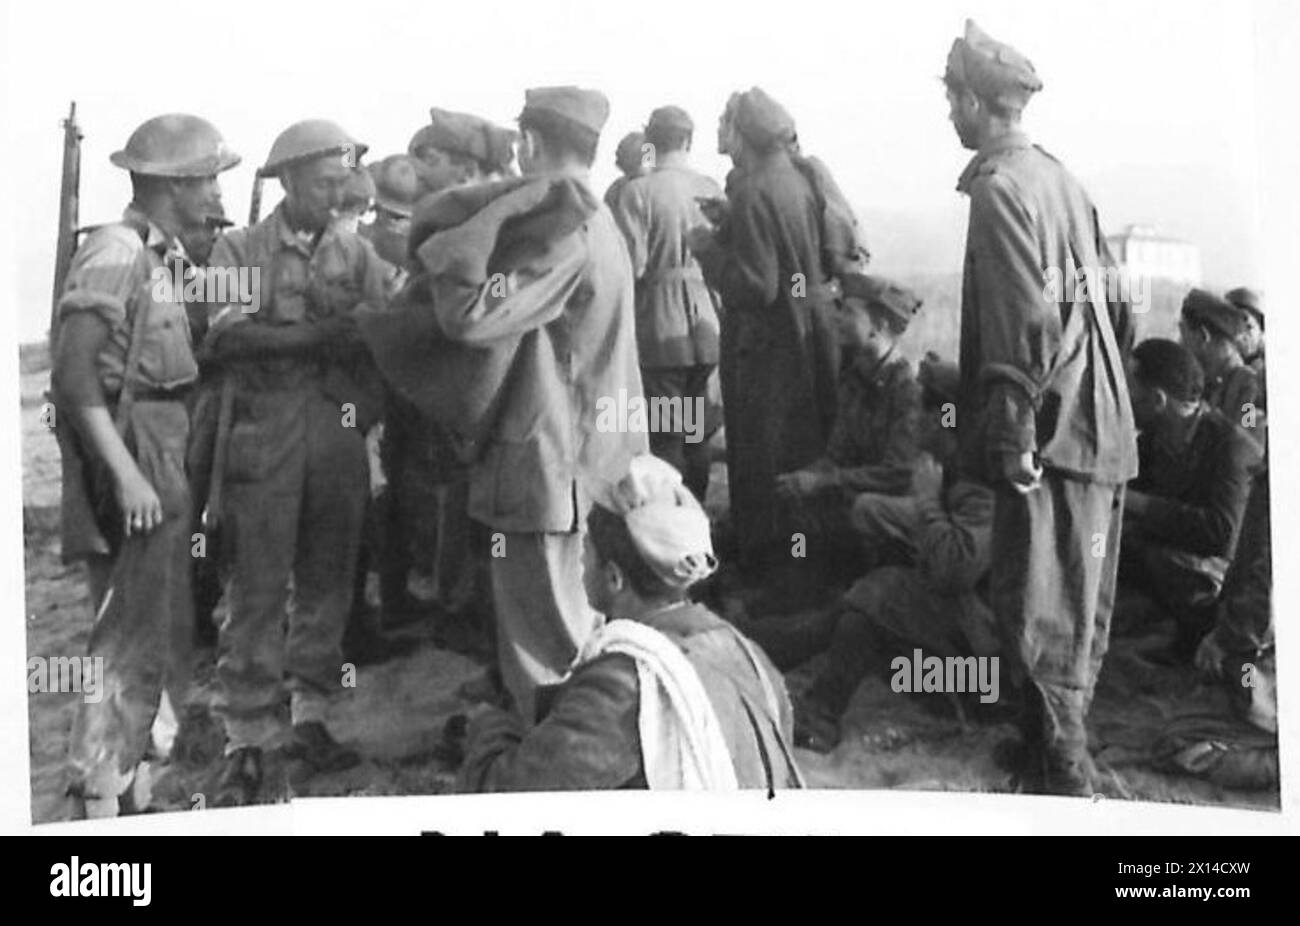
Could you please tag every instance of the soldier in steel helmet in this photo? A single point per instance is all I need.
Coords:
(295, 467)
(123, 363)
(397, 187)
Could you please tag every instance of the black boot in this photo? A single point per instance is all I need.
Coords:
(241, 778)
(313, 744)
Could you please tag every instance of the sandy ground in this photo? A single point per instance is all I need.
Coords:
(397, 710)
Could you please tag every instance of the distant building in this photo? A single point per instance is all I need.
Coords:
(1144, 254)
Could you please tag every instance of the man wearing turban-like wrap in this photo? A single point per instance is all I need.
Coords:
(666, 694)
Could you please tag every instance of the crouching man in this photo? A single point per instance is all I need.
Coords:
(666, 695)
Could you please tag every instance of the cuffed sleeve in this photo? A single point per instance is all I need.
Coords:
(956, 539)
(1019, 328)
(102, 274)
(589, 741)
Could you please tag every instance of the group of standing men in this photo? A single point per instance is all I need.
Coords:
(483, 326)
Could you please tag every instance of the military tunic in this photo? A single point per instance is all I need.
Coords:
(588, 737)
(676, 321)
(935, 604)
(872, 448)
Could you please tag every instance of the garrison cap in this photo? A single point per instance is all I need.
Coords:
(587, 109)
(940, 379)
(990, 69)
(175, 145)
(761, 120)
(397, 184)
(1248, 301)
(669, 117)
(1203, 308)
(875, 292)
(466, 134)
(628, 153)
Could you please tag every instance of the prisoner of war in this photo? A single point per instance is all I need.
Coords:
(1047, 381)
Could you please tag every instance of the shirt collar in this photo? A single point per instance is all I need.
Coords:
(155, 239)
(1013, 139)
(290, 238)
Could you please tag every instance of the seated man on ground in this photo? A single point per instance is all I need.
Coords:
(1183, 511)
(666, 695)
(936, 604)
(1237, 749)
(1211, 329)
(873, 444)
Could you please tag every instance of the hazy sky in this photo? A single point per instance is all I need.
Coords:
(1150, 104)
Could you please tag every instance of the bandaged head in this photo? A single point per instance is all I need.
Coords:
(668, 528)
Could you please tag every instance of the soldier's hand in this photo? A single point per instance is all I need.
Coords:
(927, 477)
(1022, 471)
(799, 482)
(713, 208)
(1210, 656)
(141, 509)
(699, 238)
(337, 327)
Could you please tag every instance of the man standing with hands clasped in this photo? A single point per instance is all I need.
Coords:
(1058, 442)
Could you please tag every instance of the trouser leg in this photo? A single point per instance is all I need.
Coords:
(541, 610)
(1055, 554)
(140, 643)
(679, 437)
(263, 500)
(329, 525)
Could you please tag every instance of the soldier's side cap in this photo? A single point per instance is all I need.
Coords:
(586, 108)
(501, 146)
(457, 133)
(761, 120)
(1247, 300)
(877, 292)
(939, 378)
(1201, 307)
(669, 118)
(307, 140)
(175, 145)
(991, 69)
(397, 184)
(628, 152)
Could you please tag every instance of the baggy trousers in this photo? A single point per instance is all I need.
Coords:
(1056, 552)
(297, 485)
(144, 616)
(542, 613)
(687, 452)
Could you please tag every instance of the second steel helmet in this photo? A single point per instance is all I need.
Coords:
(397, 184)
(310, 139)
(175, 145)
